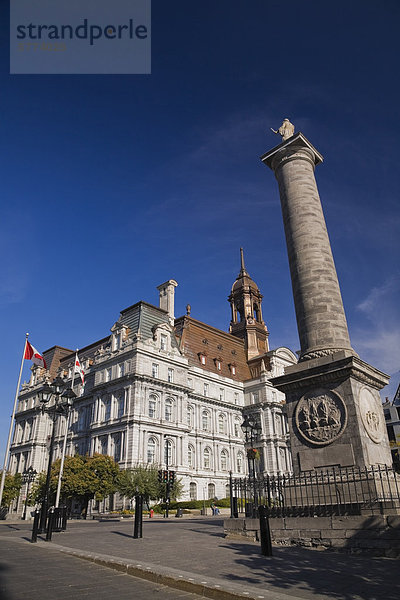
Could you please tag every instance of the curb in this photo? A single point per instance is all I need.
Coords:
(181, 580)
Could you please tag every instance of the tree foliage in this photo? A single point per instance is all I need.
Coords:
(12, 488)
(84, 478)
(143, 480)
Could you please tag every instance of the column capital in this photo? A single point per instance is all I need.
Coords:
(296, 147)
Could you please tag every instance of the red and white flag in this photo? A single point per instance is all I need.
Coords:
(34, 355)
(79, 369)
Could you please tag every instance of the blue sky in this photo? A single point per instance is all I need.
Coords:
(112, 184)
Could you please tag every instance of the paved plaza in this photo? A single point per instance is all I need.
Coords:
(187, 555)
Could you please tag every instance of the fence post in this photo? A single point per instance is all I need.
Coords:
(137, 528)
(35, 527)
(50, 524)
(265, 532)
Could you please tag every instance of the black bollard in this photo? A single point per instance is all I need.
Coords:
(35, 527)
(138, 525)
(265, 532)
(50, 524)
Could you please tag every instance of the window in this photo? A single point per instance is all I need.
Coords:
(207, 458)
(154, 370)
(211, 491)
(218, 364)
(227, 491)
(236, 429)
(224, 460)
(203, 359)
(170, 375)
(205, 420)
(121, 370)
(205, 389)
(117, 341)
(190, 456)
(386, 412)
(108, 374)
(221, 423)
(233, 369)
(116, 447)
(168, 452)
(168, 409)
(254, 397)
(190, 414)
(120, 406)
(152, 407)
(107, 409)
(239, 462)
(163, 341)
(391, 434)
(193, 490)
(151, 450)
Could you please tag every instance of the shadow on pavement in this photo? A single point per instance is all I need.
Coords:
(336, 575)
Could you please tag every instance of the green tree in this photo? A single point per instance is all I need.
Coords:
(143, 480)
(84, 478)
(12, 488)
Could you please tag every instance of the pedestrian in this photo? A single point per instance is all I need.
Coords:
(213, 508)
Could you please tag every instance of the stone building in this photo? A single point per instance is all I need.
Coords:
(391, 411)
(158, 384)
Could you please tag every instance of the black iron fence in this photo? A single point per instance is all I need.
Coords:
(336, 491)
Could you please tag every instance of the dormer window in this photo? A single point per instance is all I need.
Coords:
(218, 363)
(163, 341)
(202, 358)
(232, 367)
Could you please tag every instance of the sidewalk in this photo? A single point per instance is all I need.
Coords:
(193, 555)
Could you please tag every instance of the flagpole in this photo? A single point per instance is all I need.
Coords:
(3, 476)
(65, 440)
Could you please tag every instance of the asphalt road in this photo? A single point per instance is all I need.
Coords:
(28, 572)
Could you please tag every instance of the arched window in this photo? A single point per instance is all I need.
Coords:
(168, 452)
(151, 450)
(221, 423)
(211, 491)
(207, 458)
(224, 460)
(190, 415)
(191, 456)
(205, 420)
(239, 462)
(227, 491)
(193, 490)
(152, 407)
(168, 409)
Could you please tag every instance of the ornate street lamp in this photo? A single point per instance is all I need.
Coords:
(27, 477)
(251, 429)
(59, 407)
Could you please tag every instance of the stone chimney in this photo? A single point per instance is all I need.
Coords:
(167, 297)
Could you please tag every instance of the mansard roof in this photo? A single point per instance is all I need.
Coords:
(197, 339)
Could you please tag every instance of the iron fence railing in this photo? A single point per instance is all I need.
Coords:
(336, 491)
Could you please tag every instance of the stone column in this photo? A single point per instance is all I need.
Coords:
(333, 405)
(321, 321)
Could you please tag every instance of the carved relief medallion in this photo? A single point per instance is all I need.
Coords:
(321, 417)
(371, 416)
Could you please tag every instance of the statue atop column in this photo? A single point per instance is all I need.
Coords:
(286, 130)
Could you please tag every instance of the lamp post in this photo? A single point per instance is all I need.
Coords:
(69, 396)
(251, 430)
(167, 447)
(27, 477)
(48, 392)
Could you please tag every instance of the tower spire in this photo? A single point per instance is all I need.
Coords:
(247, 322)
(242, 267)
